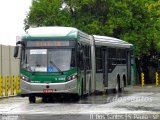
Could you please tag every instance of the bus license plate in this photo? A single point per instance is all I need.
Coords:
(47, 90)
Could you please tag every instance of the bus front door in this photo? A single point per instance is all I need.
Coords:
(105, 67)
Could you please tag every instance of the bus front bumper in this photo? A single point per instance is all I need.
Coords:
(39, 89)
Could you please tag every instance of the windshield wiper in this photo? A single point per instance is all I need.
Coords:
(53, 64)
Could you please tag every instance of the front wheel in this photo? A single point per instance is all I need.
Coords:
(32, 99)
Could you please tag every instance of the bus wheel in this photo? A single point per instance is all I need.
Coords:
(32, 99)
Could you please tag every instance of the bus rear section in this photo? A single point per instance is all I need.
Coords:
(113, 63)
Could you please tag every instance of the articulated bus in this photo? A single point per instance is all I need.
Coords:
(59, 61)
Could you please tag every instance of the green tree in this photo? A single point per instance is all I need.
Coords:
(47, 13)
(136, 21)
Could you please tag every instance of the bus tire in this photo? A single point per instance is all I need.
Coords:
(32, 99)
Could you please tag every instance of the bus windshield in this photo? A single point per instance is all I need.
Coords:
(48, 60)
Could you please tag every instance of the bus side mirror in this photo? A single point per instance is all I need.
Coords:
(16, 49)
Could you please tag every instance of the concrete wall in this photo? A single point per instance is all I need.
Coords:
(14, 63)
(8, 64)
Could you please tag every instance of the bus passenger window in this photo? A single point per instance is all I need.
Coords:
(99, 66)
(73, 58)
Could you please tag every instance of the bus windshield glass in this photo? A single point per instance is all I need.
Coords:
(48, 60)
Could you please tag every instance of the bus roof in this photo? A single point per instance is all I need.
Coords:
(110, 41)
(51, 32)
(70, 32)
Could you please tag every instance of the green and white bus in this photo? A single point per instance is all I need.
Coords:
(59, 61)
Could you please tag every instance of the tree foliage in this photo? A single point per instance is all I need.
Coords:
(136, 21)
(47, 13)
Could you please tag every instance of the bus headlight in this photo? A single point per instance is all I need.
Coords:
(71, 77)
(25, 78)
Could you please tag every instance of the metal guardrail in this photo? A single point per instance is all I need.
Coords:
(9, 86)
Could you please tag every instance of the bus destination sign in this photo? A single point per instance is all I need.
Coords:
(49, 43)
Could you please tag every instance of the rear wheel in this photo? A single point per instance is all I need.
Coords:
(32, 99)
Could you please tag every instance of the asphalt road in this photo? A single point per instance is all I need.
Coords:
(133, 104)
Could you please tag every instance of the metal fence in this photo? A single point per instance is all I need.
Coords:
(9, 72)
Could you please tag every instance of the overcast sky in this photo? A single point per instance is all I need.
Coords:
(12, 15)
